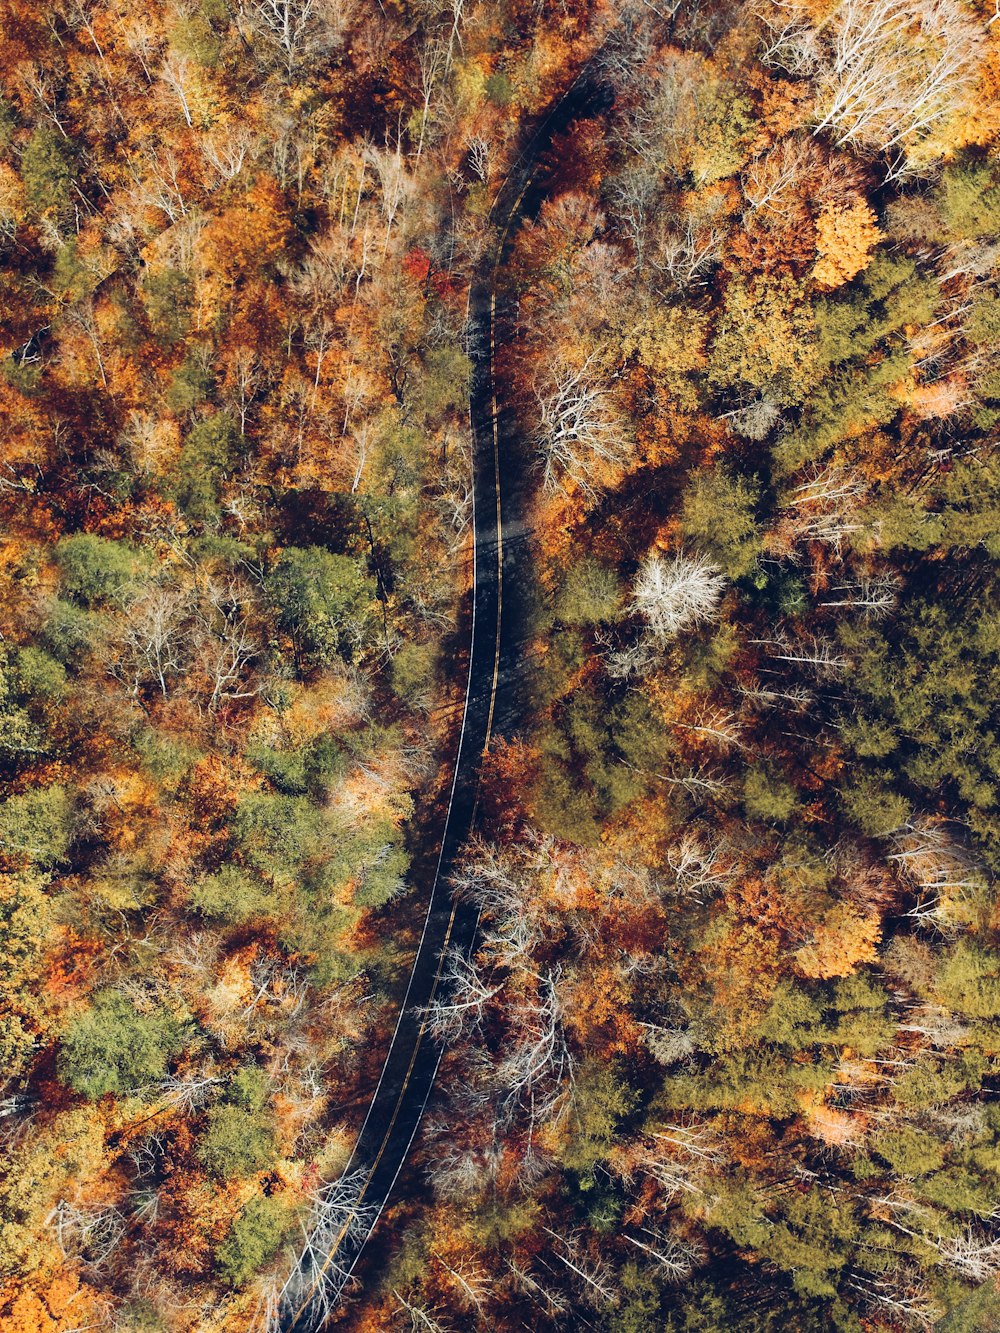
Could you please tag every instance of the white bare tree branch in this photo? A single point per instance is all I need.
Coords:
(578, 430)
(318, 1278)
(678, 594)
(299, 29)
(887, 71)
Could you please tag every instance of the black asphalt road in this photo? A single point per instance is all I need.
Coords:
(490, 709)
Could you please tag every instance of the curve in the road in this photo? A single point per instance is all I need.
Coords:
(412, 1061)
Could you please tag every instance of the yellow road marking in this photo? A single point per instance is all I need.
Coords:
(307, 1300)
(388, 1133)
(496, 453)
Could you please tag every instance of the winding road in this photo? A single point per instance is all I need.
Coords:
(412, 1061)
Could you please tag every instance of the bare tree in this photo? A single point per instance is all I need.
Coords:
(189, 1093)
(491, 877)
(226, 150)
(318, 1278)
(685, 248)
(225, 643)
(676, 1157)
(471, 1282)
(927, 850)
(675, 595)
(719, 726)
(244, 376)
(938, 1027)
(578, 429)
(756, 419)
(824, 507)
(590, 1274)
(888, 85)
(479, 157)
(633, 196)
(624, 661)
(875, 594)
(535, 1069)
(143, 40)
(941, 870)
(461, 1001)
(435, 57)
(325, 269)
(153, 643)
(459, 1170)
(299, 29)
(677, 1259)
(888, 71)
(902, 1296)
(550, 1300)
(147, 1154)
(793, 698)
(39, 83)
(700, 869)
(395, 183)
(83, 316)
(771, 178)
(90, 1233)
(818, 654)
(974, 1256)
(421, 1316)
(668, 1045)
(162, 184)
(175, 73)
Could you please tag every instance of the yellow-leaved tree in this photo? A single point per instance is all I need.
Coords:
(846, 236)
(845, 938)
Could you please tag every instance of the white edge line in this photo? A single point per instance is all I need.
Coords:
(404, 1008)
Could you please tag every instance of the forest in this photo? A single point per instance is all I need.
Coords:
(725, 1054)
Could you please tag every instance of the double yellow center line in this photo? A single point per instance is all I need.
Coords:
(341, 1235)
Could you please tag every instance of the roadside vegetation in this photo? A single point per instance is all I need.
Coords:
(725, 1056)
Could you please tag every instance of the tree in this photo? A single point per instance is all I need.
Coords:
(766, 795)
(38, 825)
(238, 1139)
(845, 938)
(676, 595)
(30, 683)
(670, 341)
(300, 30)
(277, 835)
(59, 1305)
(235, 1143)
(95, 570)
(590, 594)
(846, 235)
(930, 652)
(112, 1047)
(765, 341)
(25, 921)
(321, 601)
(689, 121)
(254, 1238)
(719, 518)
(47, 170)
(208, 452)
(230, 895)
(970, 199)
(602, 1097)
(578, 437)
(859, 357)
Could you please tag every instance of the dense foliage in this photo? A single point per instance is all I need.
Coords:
(725, 1055)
